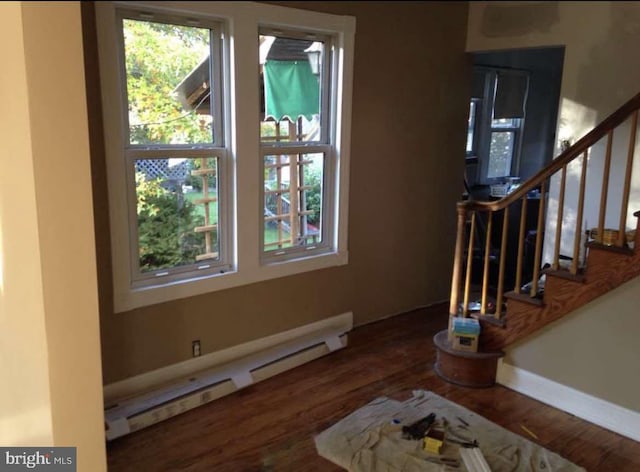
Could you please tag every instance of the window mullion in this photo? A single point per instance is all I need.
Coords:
(216, 86)
(151, 153)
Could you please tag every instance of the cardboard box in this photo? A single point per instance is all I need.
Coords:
(465, 342)
(465, 332)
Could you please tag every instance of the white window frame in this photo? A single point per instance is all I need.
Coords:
(475, 111)
(324, 146)
(215, 149)
(242, 22)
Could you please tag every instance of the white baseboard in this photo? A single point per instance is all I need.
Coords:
(153, 379)
(148, 398)
(595, 410)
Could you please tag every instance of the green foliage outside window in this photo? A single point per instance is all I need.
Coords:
(165, 227)
(313, 178)
(158, 58)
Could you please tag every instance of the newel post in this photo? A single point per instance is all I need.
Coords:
(457, 264)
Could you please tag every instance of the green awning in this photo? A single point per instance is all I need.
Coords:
(291, 90)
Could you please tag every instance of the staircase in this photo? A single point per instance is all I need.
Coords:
(592, 263)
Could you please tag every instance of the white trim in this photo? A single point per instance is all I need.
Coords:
(473, 459)
(146, 399)
(595, 410)
(152, 412)
(135, 298)
(150, 380)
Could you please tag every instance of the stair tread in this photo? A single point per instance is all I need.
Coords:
(619, 250)
(565, 274)
(524, 297)
(489, 319)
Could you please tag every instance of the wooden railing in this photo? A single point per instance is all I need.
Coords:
(480, 217)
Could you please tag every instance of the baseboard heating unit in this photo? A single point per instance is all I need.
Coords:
(146, 399)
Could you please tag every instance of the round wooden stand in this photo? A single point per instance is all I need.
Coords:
(468, 369)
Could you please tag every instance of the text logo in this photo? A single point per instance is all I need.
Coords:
(38, 459)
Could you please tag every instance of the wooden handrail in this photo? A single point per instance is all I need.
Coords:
(539, 180)
(584, 143)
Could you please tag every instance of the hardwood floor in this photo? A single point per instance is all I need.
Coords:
(270, 426)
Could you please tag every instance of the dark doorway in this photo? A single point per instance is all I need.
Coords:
(537, 143)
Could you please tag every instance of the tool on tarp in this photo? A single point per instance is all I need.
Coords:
(457, 437)
(447, 461)
(462, 421)
(419, 429)
(465, 444)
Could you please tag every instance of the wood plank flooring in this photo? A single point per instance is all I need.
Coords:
(270, 426)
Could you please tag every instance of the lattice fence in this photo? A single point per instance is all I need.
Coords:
(164, 168)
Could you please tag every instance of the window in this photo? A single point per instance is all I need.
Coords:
(174, 152)
(180, 91)
(496, 122)
(295, 143)
(504, 136)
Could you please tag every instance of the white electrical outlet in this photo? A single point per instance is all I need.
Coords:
(195, 348)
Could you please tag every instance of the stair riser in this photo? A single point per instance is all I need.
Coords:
(495, 337)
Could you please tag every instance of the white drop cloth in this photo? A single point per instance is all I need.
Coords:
(369, 440)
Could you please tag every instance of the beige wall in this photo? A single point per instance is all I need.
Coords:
(571, 351)
(25, 409)
(411, 87)
(600, 74)
(50, 347)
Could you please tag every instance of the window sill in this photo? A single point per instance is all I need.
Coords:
(136, 298)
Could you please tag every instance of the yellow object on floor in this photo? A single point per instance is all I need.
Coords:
(433, 441)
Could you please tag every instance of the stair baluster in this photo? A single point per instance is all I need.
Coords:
(521, 238)
(538, 257)
(605, 187)
(485, 275)
(457, 261)
(467, 282)
(503, 258)
(556, 253)
(578, 236)
(627, 180)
